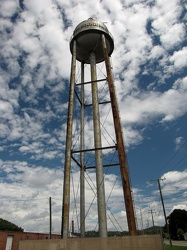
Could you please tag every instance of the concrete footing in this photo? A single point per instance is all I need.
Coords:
(143, 242)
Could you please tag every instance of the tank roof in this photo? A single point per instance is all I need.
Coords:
(88, 37)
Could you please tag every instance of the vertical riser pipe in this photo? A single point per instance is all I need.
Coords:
(98, 153)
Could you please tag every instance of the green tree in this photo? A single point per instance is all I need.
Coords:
(8, 226)
(177, 220)
(180, 234)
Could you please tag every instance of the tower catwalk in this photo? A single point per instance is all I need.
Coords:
(91, 44)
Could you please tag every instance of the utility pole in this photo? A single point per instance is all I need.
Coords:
(152, 212)
(50, 218)
(147, 223)
(158, 181)
(141, 218)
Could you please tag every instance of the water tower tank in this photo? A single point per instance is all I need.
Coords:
(88, 38)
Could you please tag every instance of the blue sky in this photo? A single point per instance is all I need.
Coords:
(150, 71)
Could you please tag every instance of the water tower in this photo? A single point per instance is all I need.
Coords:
(91, 44)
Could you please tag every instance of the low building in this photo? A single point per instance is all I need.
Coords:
(10, 240)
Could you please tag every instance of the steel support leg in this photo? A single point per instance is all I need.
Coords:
(120, 146)
(82, 170)
(67, 167)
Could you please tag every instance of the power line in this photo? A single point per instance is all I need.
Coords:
(152, 212)
(30, 200)
(173, 156)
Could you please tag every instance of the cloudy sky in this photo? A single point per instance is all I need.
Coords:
(150, 71)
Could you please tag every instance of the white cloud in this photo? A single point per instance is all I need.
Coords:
(165, 23)
(179, 58)
(8, 7)
(181, 85)
(157, 52)
(165, 15)
(180, 206)
(175, 176)
(28, 188)
(179, 141)
(174, 36)
(5, 107)
(144, 107)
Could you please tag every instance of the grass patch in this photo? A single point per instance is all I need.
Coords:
(167, 247)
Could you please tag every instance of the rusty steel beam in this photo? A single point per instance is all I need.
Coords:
(92, 149)
(83, 83)
(67, 167)
(120, 145)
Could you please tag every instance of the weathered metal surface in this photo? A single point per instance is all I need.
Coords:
(67, 167)
(88, 37)
(120, 145)
(82, 170)
(92, 149)
(92, 43)
(84, 83)
(98, 153)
